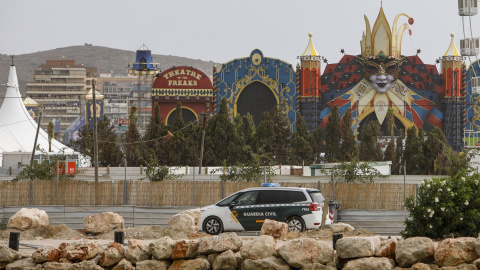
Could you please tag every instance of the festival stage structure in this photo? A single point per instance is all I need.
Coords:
(256, 84)
(187, 85)
(18, 129)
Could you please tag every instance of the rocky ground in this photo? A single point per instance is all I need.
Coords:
(62, 232)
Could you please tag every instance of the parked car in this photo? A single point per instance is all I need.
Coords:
(246, 210)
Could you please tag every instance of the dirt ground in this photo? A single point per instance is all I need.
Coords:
(62, 232)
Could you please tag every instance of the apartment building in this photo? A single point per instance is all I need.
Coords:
(57, 87)
(121, 93)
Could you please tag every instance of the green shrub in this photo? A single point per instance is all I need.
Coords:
(45, 170)
(444, 206)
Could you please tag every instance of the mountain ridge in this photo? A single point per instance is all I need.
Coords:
(105, 59)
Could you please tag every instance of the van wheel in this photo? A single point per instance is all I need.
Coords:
(295, 224)
(213, 225)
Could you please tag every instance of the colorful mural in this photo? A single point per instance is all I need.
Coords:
(382, 78)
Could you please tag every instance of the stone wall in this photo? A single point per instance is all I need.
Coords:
(229, 251)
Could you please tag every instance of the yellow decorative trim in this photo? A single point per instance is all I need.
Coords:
(171, 111)
(476, 112)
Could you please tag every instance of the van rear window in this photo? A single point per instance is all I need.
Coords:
(317, 197)
(296, 196)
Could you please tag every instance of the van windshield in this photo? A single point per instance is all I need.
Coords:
(317, 196)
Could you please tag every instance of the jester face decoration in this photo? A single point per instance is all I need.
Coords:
(381, 71)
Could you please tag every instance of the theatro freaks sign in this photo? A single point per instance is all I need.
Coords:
(182, 81)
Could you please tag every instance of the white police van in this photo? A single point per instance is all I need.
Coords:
(246, 210)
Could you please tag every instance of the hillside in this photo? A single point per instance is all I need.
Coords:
(105, 59)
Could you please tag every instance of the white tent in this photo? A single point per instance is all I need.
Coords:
(17, 128)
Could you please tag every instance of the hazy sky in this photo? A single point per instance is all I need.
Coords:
(221, 30)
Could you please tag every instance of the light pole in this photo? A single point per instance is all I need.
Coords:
(204, 115)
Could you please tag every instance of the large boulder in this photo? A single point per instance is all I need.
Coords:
(463, 266)
(80, 250)
(477, 245)
(477, 263)
(8, 255)
(46, 254)
(196, 214)
(357, 247)
(124, 264)
(162, 249)
(87, 265)
(262, 247)
(219, 243)
(387, 248)
(151, 265)
(266, 263)
(304, 251)
(318, 266)
(370, 263)
(28, 219)
(341, 227)
(274, 228)
(58, 266)
(456, 251)
(137, 251)
(103, 222)
(113, 254)
(185, 249)
(413, 250)
(225, 261)
(183, 222)
(195, 264)
(22, 264)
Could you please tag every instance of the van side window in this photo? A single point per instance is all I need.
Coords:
(296, 196)
(272, 196)
(247, 198)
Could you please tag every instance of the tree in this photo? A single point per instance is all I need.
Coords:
(450, 162)
(249, 171)
(355, 171)
(421, 155)
(221, 138)
(398, 163)
(109, 152)
(390, 151)
(245, 128)
(333, 136)
(317, 144)
(349, 146)
(434, 146)
(300, 143)
(191, 153)
(177, 141)
(272, 135)
(155, 138)
(370, 148)
(132, 139)
(413, 152)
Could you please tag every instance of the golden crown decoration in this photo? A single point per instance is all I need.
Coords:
(380, 41)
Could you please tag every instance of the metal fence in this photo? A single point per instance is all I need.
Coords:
(387, 196)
